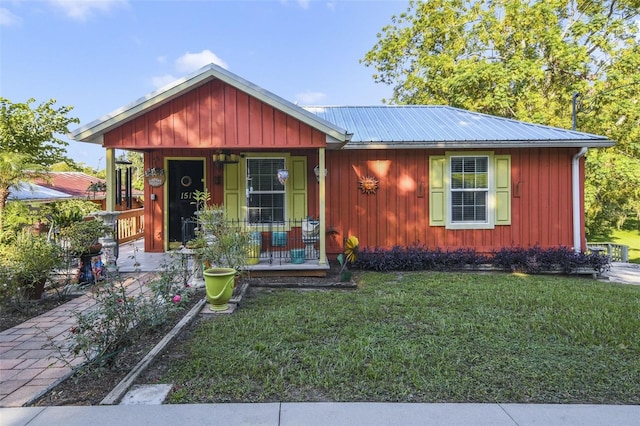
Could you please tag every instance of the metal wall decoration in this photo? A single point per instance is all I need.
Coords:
(368, 185)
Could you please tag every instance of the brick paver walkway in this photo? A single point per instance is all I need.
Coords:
(29, 367)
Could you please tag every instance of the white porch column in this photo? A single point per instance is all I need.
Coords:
(322, 207)
(111, 180)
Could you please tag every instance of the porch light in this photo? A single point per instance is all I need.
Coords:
(224, 157)
(316, 170)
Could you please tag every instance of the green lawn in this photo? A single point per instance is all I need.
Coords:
(629, 236)
(421, 337)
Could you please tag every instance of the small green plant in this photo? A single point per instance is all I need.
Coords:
(227, 244)
(350, 255)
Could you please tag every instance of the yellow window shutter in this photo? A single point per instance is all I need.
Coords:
(437, 191)
(503, 189)
(297, 196)
(233, 191)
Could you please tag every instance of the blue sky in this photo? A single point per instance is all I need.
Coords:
(98, 55)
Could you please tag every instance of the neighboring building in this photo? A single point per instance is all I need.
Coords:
(79, 185)
(395, 175)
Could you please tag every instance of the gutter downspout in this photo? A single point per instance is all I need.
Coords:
(575, 191)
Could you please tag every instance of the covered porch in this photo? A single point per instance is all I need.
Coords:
(133, 258)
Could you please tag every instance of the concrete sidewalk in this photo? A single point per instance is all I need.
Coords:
(327, 413)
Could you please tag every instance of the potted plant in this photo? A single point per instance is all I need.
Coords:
(224, 255)
(82, 239)
(155, 176)
(31, 259)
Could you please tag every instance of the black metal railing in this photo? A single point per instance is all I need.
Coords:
(293, 241)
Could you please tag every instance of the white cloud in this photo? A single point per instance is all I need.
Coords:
(309, 98)
(185, 64)
(162, 80)
(8, 19)
(190, 62)
(81, 10)
(304, 4)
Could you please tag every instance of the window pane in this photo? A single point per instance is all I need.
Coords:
(263, 173)
(266, 195)
(266, 208)
(456, 180)
(469, 183)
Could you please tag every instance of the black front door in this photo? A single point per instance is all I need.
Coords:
(184, 178)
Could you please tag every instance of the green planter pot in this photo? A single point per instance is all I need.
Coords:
(219, 283)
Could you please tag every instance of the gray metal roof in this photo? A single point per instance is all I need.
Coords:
(430, 126)
(25, 191)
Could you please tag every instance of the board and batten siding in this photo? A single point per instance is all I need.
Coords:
(214, 115)
(398, 214)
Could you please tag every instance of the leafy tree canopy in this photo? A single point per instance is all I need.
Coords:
(524, 60)
(32, 131)
(28, 141)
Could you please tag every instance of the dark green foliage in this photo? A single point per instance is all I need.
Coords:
(517, 259)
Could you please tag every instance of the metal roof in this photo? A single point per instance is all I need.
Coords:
(430, 126)
(26, 191)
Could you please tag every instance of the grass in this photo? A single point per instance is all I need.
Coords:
(421, 337)
(629, 235)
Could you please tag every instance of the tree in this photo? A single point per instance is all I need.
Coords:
(524, 60)
(28, 141)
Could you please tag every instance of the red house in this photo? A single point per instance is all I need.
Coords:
(391, 175)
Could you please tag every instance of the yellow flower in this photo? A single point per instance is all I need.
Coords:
(351, 249)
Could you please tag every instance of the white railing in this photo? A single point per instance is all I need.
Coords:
(616, 252)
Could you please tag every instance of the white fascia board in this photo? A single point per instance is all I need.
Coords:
(481, 144)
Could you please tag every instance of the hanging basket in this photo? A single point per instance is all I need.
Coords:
(157, 180)
(155, 177)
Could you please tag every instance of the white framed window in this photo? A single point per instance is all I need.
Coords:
(469, 192)
(266, 196)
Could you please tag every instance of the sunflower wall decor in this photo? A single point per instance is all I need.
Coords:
(368, 185)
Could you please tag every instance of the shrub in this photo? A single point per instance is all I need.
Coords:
(529, 260)
(123, 313)
(536, 259)
(28, 261)
(417, 258)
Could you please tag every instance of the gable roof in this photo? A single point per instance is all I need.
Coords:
(93, 131)
(430, 126)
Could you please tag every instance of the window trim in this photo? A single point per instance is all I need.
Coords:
(491, 191)
(283, 192)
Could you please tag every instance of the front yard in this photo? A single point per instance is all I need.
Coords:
(420, 337)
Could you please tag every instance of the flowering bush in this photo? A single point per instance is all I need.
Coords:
(124, 311)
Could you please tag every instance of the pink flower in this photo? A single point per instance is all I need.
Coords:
(187, 285)
(177, 298)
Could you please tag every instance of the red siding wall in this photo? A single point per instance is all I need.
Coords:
(214, 115)
(398, 215)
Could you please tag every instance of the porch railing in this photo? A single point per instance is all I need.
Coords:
(130, 225)
(292, 241)
(616, 252)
